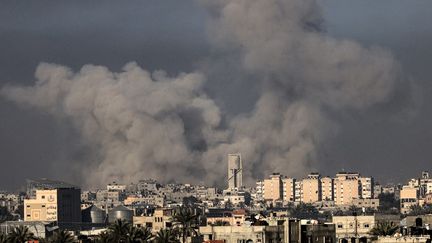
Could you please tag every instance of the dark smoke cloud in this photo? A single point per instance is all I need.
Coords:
(144, 124)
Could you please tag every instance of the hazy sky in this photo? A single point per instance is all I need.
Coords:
(391, 142)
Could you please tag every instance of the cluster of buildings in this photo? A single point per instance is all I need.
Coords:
(417, 192)
(346, 188)
(237, 214)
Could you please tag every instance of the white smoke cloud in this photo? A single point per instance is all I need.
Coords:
(152, 125)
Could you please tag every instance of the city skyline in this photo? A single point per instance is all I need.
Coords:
(83, 97)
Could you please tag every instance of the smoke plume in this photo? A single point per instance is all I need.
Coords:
(143, 124)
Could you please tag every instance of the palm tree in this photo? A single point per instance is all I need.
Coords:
(20, 234)
(186, 219)
(384, 228)
(119, 230)
(62, 236)
(138, 235)
(166, 236)
(104, 237)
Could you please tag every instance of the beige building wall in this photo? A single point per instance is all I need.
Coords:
(161, 219)
(273, 188)
(346, 188)
(408, 197)
(311, 187)
(327, 189)
(42, 208)
(288, 189)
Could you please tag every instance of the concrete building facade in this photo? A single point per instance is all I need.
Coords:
(346, 188)
(311, 187)
(235, 173)
(61, 205)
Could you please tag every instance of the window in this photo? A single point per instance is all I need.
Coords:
(340, 226)
(366, 225)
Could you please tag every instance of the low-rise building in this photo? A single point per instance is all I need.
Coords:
(160, 219)
(366, 203)
(287, 230)
(348, 227)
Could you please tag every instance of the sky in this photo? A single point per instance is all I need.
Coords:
(388, 140)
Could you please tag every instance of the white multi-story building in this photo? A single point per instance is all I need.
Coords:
(259, 191)
(367, 187)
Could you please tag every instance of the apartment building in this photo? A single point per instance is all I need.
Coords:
(288, 189)
(346, 187)
(367, 187)
(327, 189)
(311, 188)
(273, 188)
(409, 196)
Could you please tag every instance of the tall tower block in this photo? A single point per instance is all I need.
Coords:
(235, 173)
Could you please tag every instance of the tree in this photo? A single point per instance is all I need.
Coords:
(354, 210)
(190, 201)
(20, 234)
(166, 236)
(118, 230)
(229, 204)
(138, 235)
(20, 211)
(416, 210)
(384, 228)
(388, 204)
(104, 237)
(62, 236)
(186, 220)
(304, 211)
(5, 215)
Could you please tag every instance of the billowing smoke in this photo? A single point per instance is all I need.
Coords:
(141, 124)
(305, 76)
(152, 125)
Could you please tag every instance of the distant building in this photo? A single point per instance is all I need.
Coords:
(38, 229)
(114, 186)
(366, 203)
(409, 196)
(285, 230)
(377, 190)
(62, 205)
(346, 187)
(45, 184)
(259, 191)
(160, 219)
(288, 185)
(273, 188)
(348, 227)
(327, 189)
(367, 187)
(235, 173)
(311, 187)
